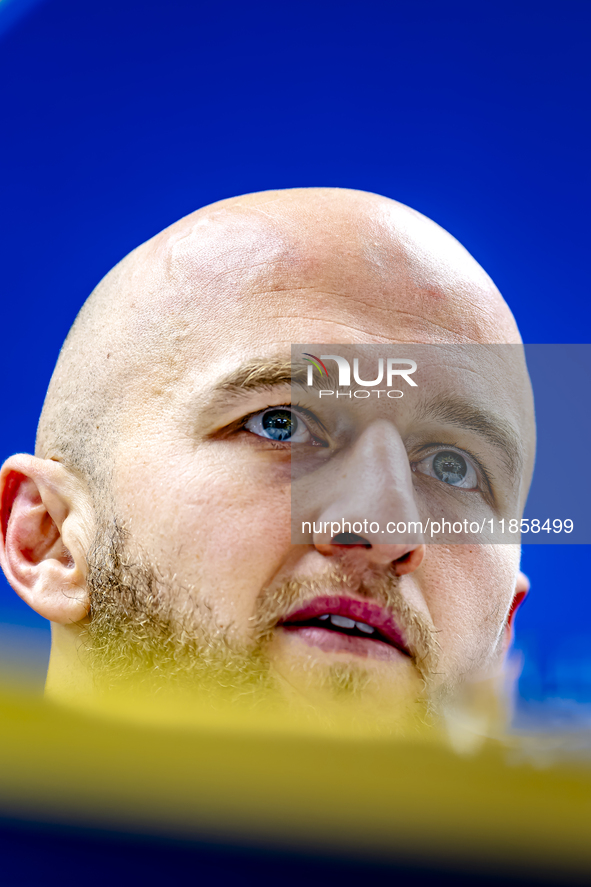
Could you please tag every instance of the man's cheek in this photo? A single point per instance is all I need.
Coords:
(248, 523)
(467, 589)
(230, 521)
(212, 495)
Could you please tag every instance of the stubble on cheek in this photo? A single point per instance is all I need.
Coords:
(149, 631)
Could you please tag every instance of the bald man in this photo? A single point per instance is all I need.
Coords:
(152, 526)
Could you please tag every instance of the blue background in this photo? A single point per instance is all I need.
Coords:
(120, 117)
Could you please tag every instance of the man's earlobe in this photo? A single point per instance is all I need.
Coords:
(46, 527)
(521, 590)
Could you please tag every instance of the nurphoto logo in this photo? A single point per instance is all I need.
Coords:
(395, 368)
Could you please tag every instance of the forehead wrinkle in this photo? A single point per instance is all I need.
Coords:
(345, 296)
(413, 326)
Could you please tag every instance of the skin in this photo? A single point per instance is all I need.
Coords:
(242, 280)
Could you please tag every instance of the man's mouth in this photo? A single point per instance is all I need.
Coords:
(346, 625)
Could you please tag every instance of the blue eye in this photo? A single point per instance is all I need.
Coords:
(450, 468)
(280, 424)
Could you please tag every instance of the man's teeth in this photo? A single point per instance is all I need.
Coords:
(342, 622)
(362, 626)
(345, 622)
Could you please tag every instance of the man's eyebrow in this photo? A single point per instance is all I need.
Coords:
(263, 374)
(494, 428)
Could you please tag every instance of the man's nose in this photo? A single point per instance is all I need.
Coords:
(372, 501)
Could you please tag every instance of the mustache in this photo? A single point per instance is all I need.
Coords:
(275, 602)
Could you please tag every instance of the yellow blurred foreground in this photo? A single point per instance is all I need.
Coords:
(246, 778)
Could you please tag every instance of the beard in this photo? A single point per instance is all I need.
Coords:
(148, 632)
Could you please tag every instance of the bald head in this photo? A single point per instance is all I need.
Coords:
(364, 267)
(171, 406)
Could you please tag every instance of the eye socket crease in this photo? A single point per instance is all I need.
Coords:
(310, 418)
(435, 446)
(482, 472)
(492, 428)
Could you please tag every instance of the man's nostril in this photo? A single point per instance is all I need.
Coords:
(349, 539)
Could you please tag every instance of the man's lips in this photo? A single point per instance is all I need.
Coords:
(360, 627)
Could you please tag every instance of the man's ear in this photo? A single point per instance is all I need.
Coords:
(47, 524)
(521, 590)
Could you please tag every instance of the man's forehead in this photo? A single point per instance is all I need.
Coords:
(367, 263)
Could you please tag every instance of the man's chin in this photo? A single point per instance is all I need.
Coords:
(324, 664)
(350, 693)
(347, 702)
